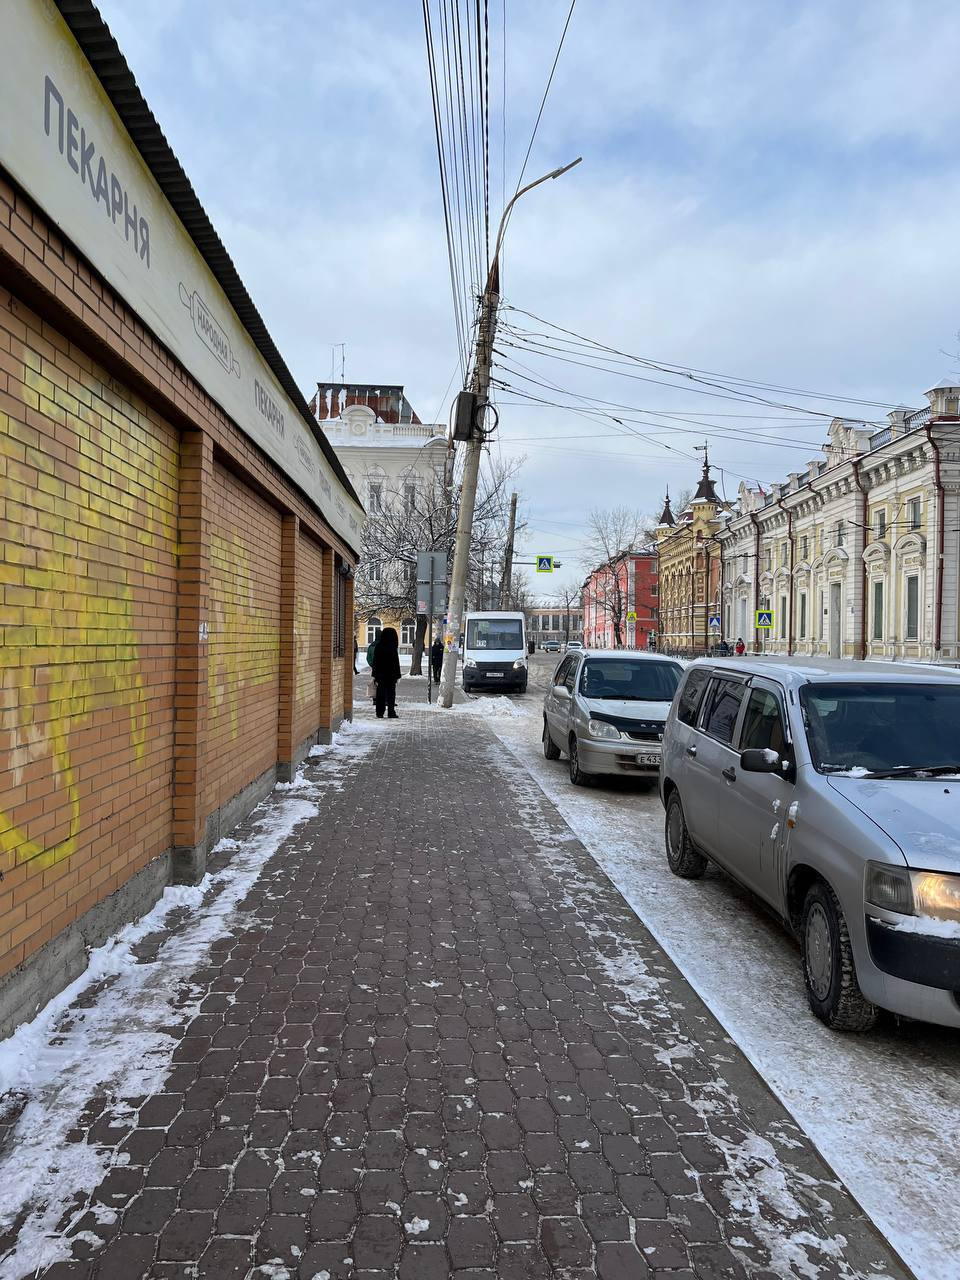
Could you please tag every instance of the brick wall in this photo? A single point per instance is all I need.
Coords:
(87, 584)
(243, 656)
(156, 572)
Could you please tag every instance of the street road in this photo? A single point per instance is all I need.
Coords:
(882, 1107)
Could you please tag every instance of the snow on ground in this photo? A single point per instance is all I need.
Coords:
(882, 1108)
(499, 707)
(118, 1043)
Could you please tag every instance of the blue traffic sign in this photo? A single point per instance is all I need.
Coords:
(713, 622)
(764, 619)
(544, 564)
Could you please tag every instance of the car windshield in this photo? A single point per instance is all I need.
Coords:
(494, 633)
(629, 680)
(883, 729)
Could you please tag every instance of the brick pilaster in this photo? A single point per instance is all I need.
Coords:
(327, 710)
(350, 630)
(289, 548)
(190, 694)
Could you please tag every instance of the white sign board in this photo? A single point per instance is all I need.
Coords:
(66, 147)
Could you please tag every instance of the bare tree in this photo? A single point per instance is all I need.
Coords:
(423, 517)
(610, 536)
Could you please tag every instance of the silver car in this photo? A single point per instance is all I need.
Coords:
(606, 710)
(832, 791)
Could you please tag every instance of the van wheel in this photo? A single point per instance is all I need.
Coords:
(550, 749)
(828, 966)
(577, 775)
(683, 859)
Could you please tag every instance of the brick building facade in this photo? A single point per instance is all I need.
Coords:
(175, 597)
(620, 602)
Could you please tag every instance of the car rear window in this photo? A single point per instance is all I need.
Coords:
(689, 702)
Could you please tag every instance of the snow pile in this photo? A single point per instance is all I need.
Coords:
(495, 708)
(928, 926)
(120, 1045)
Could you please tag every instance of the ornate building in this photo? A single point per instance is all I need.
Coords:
(690, 570)
(856, 556)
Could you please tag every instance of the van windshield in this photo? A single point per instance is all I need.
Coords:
(876, 730)
(494, 633)
(630, 681)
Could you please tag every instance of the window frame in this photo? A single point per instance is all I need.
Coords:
(706, 707)
(908, 578)
(693, 674)
(877, 617)
(764, 685)
(802, 598)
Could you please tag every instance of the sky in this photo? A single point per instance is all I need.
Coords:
(767, 190)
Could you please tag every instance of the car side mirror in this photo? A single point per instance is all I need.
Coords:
(760, 760)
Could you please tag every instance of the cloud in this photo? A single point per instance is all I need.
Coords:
(766, 190)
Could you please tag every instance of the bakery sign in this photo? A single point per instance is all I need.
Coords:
(72, 155)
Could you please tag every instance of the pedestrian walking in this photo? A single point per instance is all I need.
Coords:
(356, 653)
(386, 672)
(740, 648)
(436, 659)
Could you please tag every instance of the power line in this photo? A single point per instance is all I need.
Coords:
(543, 100)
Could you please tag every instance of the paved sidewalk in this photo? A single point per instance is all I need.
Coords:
(437, 1042)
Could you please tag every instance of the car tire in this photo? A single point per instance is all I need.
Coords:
(683, 858)
(550, 749)
(577, 775)
(829, 971)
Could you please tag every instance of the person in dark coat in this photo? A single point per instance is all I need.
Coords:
(385, 669)
(436, 659)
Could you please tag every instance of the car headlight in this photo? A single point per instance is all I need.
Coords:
(519, 664)
(469, 662)
(912, 893)
(600, 729)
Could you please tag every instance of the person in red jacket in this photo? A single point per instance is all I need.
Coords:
(739, 648)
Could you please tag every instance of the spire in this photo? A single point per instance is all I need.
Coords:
(705, 490)
(666, 516)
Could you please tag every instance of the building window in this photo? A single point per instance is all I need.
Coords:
(783, 553)
(374, 571)
(803, 615)
(783, 616)
(913, 608)
(374, 627)
(409, 497)
(375, 497)
(840, 533)
(880, 524)
(804, 548)
(820, 619)
(654, 589)
(914, 513)
(408, 629)
(556, 622)
(767, 560)
(878, 610)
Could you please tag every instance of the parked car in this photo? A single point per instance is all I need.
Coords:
(832, 791)
(551, 646)
(574, 646)
(606, 710)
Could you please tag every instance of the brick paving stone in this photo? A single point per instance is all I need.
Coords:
(411, 1059)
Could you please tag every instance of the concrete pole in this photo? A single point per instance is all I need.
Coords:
(508, 554)
(471, 467)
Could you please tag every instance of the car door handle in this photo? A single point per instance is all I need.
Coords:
(729, 774)
(691, 751)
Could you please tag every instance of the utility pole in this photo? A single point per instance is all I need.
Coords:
(480, 385)
(508, 554)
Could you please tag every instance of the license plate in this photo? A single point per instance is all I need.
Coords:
(643, 758)
(494, 675)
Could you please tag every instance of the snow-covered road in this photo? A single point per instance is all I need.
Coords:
(883, 1109)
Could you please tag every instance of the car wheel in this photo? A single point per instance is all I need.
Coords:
(683, 858)
(828, 966)
(577, 775)
(550, 749)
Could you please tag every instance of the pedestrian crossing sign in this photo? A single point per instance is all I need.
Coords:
(764, 619)
(544, 564)
(631, 616)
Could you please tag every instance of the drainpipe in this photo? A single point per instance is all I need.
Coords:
(789, 515)
(756, 576)
(862, 642)
(938, 568)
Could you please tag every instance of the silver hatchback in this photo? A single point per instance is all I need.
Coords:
(606, 710)
(832, 791)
